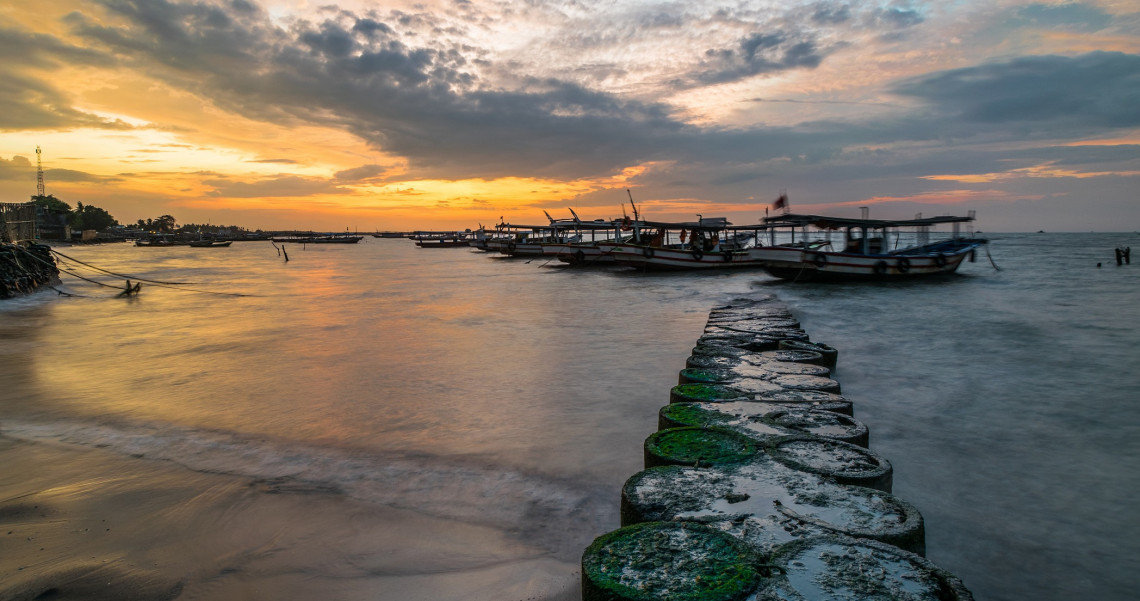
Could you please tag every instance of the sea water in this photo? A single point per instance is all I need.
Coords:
(509, 398)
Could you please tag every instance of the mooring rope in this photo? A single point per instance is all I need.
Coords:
(172, 286)
(120, 275)
(996, 268)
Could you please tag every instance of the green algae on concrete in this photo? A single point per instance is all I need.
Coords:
(772, 394)
(839, 567)
(745, 417)
(684, 393)
(698, 446)
(765, 490)
(669, 561)
(762, 420)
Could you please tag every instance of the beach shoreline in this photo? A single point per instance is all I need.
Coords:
(80, 522)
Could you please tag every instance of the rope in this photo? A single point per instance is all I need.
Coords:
(120, 275)
(996, 268)
(173, 286)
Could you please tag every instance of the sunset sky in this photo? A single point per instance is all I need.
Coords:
(447, 114)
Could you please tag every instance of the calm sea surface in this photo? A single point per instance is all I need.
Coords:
(514, 395)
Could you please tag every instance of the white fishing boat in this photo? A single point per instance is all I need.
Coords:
(530, 240)
(711, 243)
(867, 249)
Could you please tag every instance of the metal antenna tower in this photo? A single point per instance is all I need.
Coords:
(39, 173)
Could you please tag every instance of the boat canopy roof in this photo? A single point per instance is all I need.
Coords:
(707, 224)
(562, 224)
(834, 223)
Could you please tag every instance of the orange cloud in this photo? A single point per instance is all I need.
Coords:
(1044, 170)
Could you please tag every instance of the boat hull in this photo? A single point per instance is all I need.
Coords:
(803, 265)
(675, 259)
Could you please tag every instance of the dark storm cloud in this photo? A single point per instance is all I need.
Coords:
(19, 168)
(1071, 15)
(831, 13)
(71, 175)
(361, 173)
(897, 17)
(1095, 90)
(757, 54)
(417, 102)
(33, 103)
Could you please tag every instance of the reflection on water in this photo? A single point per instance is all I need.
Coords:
(517, 395)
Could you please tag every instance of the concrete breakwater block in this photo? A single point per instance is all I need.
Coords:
(676, 560)
(759, 379)
(750, 342)
(764, 496)
(838, 567)
(719, 393)
(703, 446)
(762, 371)
(698, 446)
(822, 423)
(711, 358)
(842, 462)
(760, 420)
(829, 354)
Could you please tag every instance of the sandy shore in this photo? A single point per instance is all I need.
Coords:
(85, 523)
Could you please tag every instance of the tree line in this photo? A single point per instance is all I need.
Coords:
(90, 217)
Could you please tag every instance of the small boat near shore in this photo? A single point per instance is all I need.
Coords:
(866, 250)
(155, 241)
(211, 243)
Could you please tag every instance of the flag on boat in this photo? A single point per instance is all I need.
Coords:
(781, 202)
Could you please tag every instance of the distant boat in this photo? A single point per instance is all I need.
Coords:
(443, 239)
(866, 252)
(211, 243)
(155, 241)
(319, 238)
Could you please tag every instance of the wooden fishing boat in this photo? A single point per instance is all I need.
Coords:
(158, 240)
(311, 238)
(712, 243)
(442, 239)
(211, 243)
(531, 240)
(868, 249)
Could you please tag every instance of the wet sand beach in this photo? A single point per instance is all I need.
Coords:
(88, 524)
